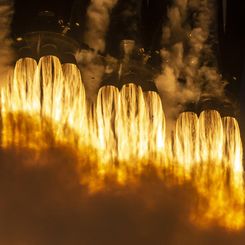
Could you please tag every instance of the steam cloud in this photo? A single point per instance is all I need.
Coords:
(6, 52)
(189, 67)
(98, 19)
(92, 70)
(92, 64)
(42, 202)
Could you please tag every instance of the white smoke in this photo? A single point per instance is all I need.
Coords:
(186, 55)
(92, 64)
(92, 68)
(98, 19)
(6, 51)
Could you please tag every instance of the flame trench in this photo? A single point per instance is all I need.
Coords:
(124, 132)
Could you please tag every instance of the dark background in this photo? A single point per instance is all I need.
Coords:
(149, 16)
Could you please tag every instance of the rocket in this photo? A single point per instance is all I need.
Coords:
(133, 66)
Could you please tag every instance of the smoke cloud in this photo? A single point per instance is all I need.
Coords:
(6, 52)
(98, 19)
(43, 202)
(92, 69)
(188, 64)
(90, 62)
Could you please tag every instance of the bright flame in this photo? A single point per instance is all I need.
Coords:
(124, 131)
(186, 142)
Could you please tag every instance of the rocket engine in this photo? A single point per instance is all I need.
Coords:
(49, 36)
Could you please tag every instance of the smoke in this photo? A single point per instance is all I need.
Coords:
(98, 19)
(43, 202)
(92, 69)
(90, 62)
(188, 64)
(6, 52)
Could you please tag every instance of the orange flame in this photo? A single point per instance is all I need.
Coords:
(122, 132)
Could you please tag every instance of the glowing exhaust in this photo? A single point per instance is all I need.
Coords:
(124, 131)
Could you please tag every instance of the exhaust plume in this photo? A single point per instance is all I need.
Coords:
(6, 52)
(188, 64)
(68, 176)
(41, 205)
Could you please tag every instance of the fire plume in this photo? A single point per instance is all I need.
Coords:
(123, 132)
